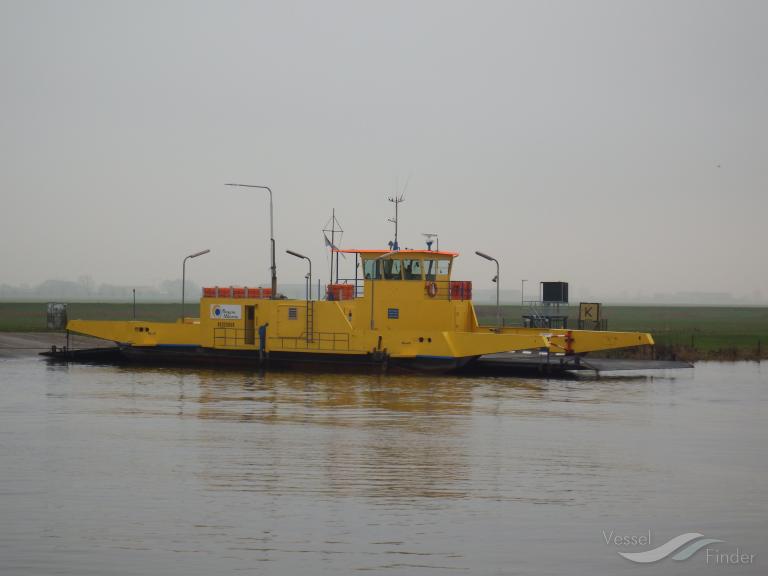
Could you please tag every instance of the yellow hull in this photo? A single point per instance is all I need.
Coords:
(337, 332)
(404, 314)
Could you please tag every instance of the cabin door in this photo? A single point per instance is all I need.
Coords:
(250, 325)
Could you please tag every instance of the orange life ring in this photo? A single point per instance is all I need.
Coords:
(431, 289)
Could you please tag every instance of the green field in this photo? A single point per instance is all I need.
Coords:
(31, 316)
(692, 331)
(696, 331)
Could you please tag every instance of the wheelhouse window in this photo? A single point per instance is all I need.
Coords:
(371, 270)
(443, 268)
(398, 268)
(392, 269)
(436, 269)
(411, 269)
(430, 269)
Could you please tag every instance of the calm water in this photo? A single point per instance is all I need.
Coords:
(108, 470)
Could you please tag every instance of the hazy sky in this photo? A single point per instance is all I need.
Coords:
(622, 146)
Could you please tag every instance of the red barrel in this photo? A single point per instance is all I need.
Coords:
(253, 292)
(209, 292)
(238, 292)
(223, 291)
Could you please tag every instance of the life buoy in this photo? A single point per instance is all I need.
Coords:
(431, 289)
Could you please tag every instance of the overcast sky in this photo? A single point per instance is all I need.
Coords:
(622, 146)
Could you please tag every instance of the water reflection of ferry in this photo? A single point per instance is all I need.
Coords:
(378, 437)
(391, 438)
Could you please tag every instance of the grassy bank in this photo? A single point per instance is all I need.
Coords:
(31, 316)
(685, 332)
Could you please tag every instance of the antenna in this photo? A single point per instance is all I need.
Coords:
(431, 237)
(335, 228)
(397, 200)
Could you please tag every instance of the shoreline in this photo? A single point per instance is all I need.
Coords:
(687, 354)
(21, 344)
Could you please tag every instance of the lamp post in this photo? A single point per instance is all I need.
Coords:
(309, 277)
(271, 232)
(496, 279)
(522, 293)
(184, 278)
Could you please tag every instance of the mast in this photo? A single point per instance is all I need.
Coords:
(396, 200)
(334, 229)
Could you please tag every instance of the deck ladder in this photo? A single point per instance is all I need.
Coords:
(310, 319)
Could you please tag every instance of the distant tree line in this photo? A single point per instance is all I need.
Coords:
(84, 288)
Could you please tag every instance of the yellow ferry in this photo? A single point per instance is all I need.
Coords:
(402, 311)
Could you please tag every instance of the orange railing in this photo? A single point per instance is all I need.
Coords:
(448, 289)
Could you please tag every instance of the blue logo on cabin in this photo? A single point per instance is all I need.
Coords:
(393, 313)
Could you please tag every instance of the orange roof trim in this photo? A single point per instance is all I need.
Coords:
(386, 251)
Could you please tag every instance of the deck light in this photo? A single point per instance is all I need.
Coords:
(522, 292)
(496, 279)
(271, 232)
(183, 281)
(309, 276)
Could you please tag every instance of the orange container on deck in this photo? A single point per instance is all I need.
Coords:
(340, 291)
(236, 292)
(461, 290)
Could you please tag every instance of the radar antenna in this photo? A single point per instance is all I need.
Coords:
(431, 237)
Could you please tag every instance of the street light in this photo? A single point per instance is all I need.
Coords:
(496, 279)
(271, 232)
(183, 280)
(522, 292)
(309, 277)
